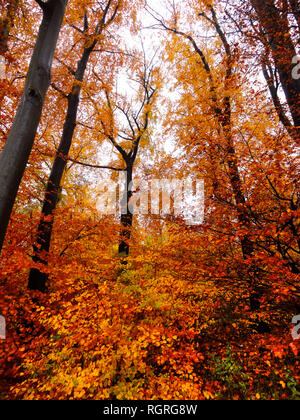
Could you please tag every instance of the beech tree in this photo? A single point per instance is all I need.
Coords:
(37, 279)
(221, 108)
(137, 117)
(15, 154)
(163, 305)
(276, 27)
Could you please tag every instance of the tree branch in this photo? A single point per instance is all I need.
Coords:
(89, 165)
(53, 85)
(42, 4)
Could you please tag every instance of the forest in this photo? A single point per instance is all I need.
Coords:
(149, 200)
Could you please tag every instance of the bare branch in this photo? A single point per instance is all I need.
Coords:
(85, 22)
(76, 28)
(55, 87)
(89, 165)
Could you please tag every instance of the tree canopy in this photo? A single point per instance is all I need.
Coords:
(121, 121)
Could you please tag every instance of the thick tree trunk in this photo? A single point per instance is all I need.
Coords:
(277, 31)
(126, 217)
(16, 151)
(37, 278)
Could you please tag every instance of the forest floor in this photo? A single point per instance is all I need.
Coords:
(139, 334)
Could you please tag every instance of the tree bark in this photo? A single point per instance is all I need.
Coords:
(137, 128)
(126, 216)
(277, 32)
(16, 151)
(37, 279)
(223, 114)
(295, 6)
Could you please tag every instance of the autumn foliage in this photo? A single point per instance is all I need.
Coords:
(194, 312)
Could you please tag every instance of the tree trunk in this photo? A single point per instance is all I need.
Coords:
(126, 217)
(224, 116)
(244, 220)
(295, 6)
(240, 201)
(16, 151)
(276, 28)
(37, 278)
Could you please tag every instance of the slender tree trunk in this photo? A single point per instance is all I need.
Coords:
(37, 278)
(239, 198)
(137, 129)
(242, 210)
(295, 6)
(276, 28)
(126, 216)
(16, 151)
(224, 115)
(235, 179)
(269, 77)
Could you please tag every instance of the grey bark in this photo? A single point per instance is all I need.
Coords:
(126, 216)
(37, 279)
(15, 154)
